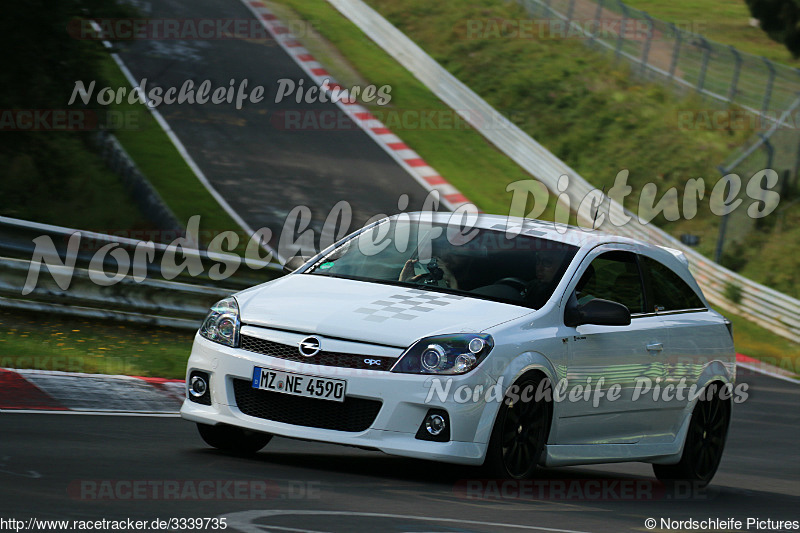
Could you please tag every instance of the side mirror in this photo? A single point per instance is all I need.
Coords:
(294, 263)
(598, 312)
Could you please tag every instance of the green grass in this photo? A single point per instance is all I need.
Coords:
(724, 21)
(762, 252)
(755, 341)
(77, 345)
(89, 196)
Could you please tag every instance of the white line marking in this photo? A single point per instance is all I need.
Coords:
(280, 528)
(245, 519)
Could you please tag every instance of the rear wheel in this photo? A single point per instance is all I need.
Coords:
(520, 430)
(233, 439)
(705, 441)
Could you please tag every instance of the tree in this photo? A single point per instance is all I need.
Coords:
(780, 19)
(41, 62)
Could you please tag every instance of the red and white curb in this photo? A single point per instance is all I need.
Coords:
(39, 390)
(67, 392)
(407, 158)
(751, 364)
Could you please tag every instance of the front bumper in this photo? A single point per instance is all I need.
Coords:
(405, 400)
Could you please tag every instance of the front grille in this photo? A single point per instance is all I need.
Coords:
(353, 414)
(290, 352)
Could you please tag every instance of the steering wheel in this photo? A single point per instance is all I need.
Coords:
(514, 283)
(426, 278)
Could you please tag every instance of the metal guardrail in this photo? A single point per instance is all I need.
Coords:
(769, 308)
(17, 236)
(160, 303)
(158, 299)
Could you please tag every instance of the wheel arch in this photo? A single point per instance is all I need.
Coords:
(528, 363)
(713, 372)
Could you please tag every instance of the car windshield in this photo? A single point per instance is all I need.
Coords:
(485, 263)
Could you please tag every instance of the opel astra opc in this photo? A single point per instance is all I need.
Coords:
(511, 344)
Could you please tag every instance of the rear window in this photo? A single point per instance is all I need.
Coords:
(668, 292)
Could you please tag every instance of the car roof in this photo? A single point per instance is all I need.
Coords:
(566, 233)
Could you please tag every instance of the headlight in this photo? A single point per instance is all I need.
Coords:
(222, 323)
(445, 354)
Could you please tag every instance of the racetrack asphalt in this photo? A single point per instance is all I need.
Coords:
(80, 467)
(260, 167)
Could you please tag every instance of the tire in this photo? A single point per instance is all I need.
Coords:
(705, 441)
(520, 431)
(233, 439)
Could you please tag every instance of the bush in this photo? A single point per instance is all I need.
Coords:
(733, 293)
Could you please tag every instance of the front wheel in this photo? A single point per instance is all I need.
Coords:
(520, 430)
(705, 441)
(233, 439)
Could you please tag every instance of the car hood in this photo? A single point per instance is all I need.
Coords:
(367, 312)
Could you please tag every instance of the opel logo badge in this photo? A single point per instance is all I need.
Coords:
(309, 347)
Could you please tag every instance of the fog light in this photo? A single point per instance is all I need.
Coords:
(197, 386)
(435, 424)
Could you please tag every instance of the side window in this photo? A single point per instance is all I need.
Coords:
(668, 291)
(612, 276)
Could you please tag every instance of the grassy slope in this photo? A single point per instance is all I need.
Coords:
(364, 60)
(724, 21)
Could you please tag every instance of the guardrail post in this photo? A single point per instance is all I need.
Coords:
(736, 70)
(770, 161)
(597, 14)
(704, 66)
(676, 51)
(620, 36)
(770, 81)
(646, 51)
(570, 11)
(796, 169)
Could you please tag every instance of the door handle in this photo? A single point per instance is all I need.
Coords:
(655, 347)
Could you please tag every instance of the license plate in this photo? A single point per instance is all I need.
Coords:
(299, 384)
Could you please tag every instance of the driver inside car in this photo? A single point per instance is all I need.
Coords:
(541, 287)
(436, 272)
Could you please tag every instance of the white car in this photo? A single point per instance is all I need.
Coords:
(512, 343)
